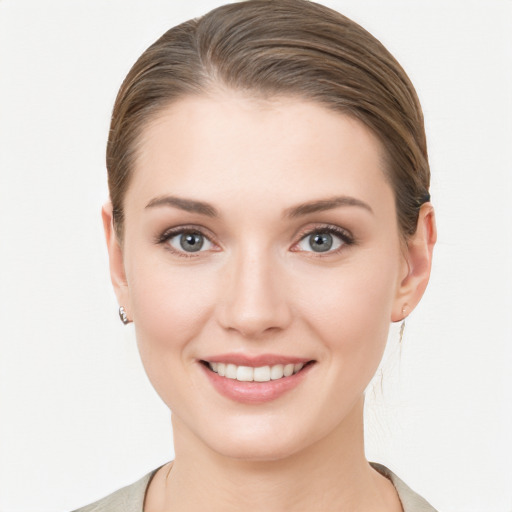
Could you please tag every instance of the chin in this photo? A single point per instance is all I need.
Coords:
(257, 442)
(257, 451)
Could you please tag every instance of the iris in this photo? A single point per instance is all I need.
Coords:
(191, 242)
(320, 242)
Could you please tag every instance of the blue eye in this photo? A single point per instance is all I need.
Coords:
(324, 240)
(188, 241)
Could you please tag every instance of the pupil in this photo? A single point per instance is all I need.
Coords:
(321, 242)
(191, 242)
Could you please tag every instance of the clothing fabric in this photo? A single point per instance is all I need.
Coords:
(131, 498)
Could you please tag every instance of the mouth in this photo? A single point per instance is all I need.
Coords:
(255, 374)
(255, 382)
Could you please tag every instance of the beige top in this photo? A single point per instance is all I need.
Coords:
(131, 498)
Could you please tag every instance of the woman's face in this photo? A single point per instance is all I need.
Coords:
(260, 233)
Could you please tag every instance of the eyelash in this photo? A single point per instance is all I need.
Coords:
(344, 235)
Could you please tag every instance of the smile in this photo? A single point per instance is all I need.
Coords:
(252, 374)
(255, 380)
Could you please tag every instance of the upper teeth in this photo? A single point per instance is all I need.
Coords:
(259, 374)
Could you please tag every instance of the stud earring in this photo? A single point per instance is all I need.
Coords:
(123, 316)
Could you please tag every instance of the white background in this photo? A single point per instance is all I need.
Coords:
(78, 418)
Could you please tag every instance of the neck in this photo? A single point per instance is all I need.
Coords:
(331, 474)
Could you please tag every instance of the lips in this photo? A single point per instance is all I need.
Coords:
(255, 379)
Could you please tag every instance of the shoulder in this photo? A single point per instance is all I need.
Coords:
(411, 502)
(127, 499)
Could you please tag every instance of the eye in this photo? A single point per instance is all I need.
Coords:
(186, 242)
(327, 239)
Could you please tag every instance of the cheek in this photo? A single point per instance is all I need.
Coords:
(170, 308)
(349, 309)
(166, 295)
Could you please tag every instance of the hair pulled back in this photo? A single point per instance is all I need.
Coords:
(270, 48)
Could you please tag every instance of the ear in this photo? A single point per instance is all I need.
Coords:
(417, 264)
(116, 262)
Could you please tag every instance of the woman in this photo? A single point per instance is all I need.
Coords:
(269, 218)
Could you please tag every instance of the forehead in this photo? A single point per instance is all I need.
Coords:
(273, 150)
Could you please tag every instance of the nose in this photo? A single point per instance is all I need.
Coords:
(254, 300)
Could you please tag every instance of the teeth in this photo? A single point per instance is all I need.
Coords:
(259, 374)
(277, 372)
(245, 373)
(262, 374)
(231, 371)
(288, 370)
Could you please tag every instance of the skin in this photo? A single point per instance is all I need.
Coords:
(259, 287)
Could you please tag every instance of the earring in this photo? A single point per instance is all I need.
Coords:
(402, 329)
(402, 326)
(123, 316)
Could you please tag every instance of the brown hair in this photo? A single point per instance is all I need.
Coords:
(277, 47)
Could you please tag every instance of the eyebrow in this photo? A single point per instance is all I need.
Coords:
(189, 205)
(322, 205)
(203, 208)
